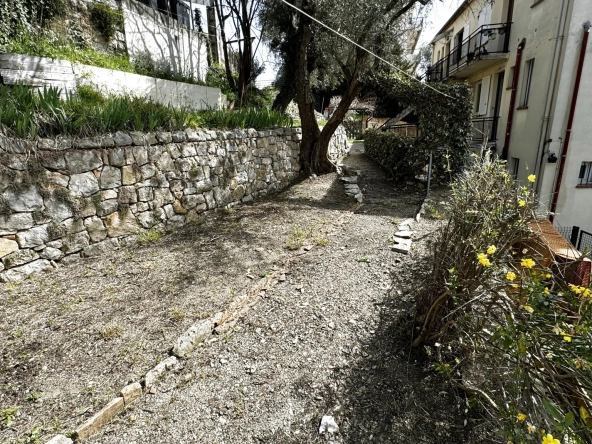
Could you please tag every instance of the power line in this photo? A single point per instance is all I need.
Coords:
(364, 49)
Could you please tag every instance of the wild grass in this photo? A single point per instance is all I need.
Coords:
(27, 113)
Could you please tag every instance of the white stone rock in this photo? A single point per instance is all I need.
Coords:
(404, 234)
(153, 375)
(84, 184)
(21, 273)
(52, 254)
(58, 209)
(7, 246)
(23, 199)
(83, 161)
(59, 439)
(328, 425)
(110, 177)
(34, 237)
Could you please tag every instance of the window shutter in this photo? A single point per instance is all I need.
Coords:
(484, 98)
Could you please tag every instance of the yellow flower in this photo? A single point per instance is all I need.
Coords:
(515, 285)
(510, 275)
(548, 276)
(491, 249)
(521, 202)
(548, 439)
(567, 338)
(482, 258)
(546, 291)
(531, 429)
(528, 308)
(521, 417)
(527, 263)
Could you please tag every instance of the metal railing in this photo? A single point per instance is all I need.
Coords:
(487, 39)
(579, 238)
(485, 126)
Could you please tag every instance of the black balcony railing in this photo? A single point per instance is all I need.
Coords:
(488, 39)
(485, 127)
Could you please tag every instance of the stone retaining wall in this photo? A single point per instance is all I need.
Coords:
(65, 198)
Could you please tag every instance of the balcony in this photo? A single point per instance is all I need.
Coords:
(484, 127)
(485, 47)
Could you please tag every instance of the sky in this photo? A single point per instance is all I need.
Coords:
(440, 12)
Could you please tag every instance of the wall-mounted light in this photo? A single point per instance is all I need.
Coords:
(552, 158)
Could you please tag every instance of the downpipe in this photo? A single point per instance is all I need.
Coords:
(551, 88)
(515, 78)
(572, 111)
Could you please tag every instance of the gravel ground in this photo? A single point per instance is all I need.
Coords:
(331, 337)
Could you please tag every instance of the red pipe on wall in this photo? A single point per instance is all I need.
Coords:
(572, 111)
(513, 99)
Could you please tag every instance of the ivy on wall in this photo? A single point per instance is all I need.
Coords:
(106, 20)
(22, 16)
(444, 128)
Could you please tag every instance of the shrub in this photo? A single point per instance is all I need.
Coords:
(508, 330)
(106, 20)
(394, 152)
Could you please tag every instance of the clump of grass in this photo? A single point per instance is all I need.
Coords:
(149, 236)
(297, 236)
(177, 314)
(321, 241)
(111, 331)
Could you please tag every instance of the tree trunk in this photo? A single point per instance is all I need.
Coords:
(320, 160)
(304, 98)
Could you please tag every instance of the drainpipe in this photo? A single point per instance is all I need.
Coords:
(572, 111)
(513, 99)
(550, 94)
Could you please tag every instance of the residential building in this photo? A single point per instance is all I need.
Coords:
(522, 59)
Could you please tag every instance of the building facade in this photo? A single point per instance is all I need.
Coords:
(523, 59)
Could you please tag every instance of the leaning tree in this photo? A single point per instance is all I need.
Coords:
(312, 54)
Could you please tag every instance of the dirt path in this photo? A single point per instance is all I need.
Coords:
(332, 338)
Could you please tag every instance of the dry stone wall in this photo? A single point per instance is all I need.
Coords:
(65, 198)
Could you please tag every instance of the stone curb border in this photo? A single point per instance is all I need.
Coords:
(349, 176)
(185, 344)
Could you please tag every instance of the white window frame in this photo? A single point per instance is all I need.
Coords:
(527, 82)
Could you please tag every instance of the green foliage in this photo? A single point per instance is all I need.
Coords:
(444, 131)
(216, 77)
(145, 65)
(22, 16)
(106, 20)
(507, 329)
(394, 152)
(45, 44)
(7, 415)
(29, 113)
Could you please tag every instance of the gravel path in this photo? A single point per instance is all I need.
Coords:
(331, 337)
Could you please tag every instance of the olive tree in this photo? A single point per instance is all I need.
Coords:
(313, 56)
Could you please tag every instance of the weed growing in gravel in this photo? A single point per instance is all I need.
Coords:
(363, 259)
(177, 314)
(321, 241)
(111, 332)
(149, 236)
(297, 235)
(8, 415)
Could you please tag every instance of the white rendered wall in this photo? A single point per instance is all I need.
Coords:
(165, 92)
(150, 31)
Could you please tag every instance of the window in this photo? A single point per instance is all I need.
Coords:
(477, 97)
(585, 176)
(515, 165)
(528, 68)
(510, 78)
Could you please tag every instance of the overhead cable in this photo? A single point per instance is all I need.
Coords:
(402, 71)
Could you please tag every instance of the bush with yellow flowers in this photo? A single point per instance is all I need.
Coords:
(510, 332)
